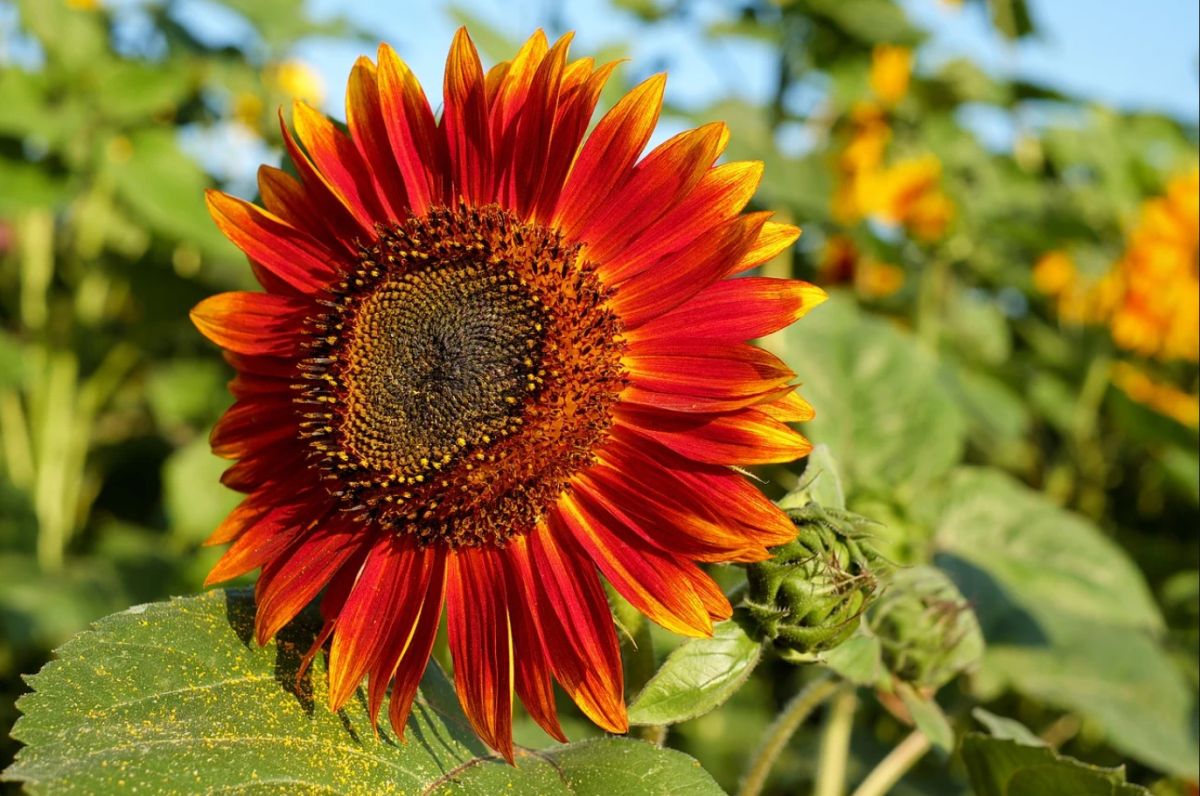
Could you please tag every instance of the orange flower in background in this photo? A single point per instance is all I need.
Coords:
(1158, 313)
(492, 361)
(1150, 298)
(908, 193)
(891, 71)
(1167, 400)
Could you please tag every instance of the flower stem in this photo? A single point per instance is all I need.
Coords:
(781, 730)
(835, 744)
(894, 766)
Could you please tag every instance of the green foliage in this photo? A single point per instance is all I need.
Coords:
(698, 676)
(1003, 767)
(174, 698)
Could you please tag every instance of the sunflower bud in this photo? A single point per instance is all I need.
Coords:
(809, 597)
(928, 631)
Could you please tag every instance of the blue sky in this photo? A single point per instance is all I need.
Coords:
(1129, 55)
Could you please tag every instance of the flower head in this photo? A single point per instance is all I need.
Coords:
(492, 361)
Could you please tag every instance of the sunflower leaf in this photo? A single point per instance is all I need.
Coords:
(698, 676)
(1004, 767)
(175, 698)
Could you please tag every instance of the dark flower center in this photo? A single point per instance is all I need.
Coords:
(466, 369)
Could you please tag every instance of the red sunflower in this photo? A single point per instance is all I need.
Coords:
(494, 360)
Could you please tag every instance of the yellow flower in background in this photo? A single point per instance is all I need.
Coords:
(908, 193)
(1158, 312)
(298, 80)
(1165, 399)
(85, 5)
(891, 70)
(1054, 273)
(1150, 298)
(247, 109)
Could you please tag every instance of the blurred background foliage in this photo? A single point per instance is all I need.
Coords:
(1006, 373)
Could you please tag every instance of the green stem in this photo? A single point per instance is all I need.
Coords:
(781, 730)
(835, 744)
(894, 766)
(930, 300)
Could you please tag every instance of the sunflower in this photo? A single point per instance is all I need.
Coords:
(491, 362)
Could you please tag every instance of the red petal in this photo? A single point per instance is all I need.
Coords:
(340, 168)
(252, 424)
(789, 408)
(608, 154)
(284, 196)
(417, 147)
(252, 323)
(716, 493)
(663, 518)
(719, 196)
(646, 577)
(293, 579)
(481, 643)
(680, 276)
(702, 369)
(380, 607)
(656, 185)
(532, 672)
(577, 102)
(465, 121)
(266, 535)
(285, 251)
(575, 625)
(747, 436)
(409, 662)
(365, 116)
(535, 138)
(734, 310)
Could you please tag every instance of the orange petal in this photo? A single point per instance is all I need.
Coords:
(773, 239)
(734, 310)
(417, 146)
(608, 155)
(704, 369)
(647, 578)
(465, 122)
(286, 252)
(720, 195)
(252, 323)
(744, 437)
(656, 185)
(576, 626)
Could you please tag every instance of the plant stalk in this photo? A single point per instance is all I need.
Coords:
(894, 766)
(835, 744)
(781, 731)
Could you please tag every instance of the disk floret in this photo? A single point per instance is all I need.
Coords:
(460, 372)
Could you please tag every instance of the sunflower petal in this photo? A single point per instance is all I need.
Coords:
(289, 254)
(251, 323)
(481, 643)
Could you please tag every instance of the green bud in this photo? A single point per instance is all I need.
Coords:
(927, 630)
(808, 598)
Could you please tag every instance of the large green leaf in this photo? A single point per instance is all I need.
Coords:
(1067, 616)
(881, 404)
(1045, 560)
(1003, 767)
(697, 676)
(175, 698)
